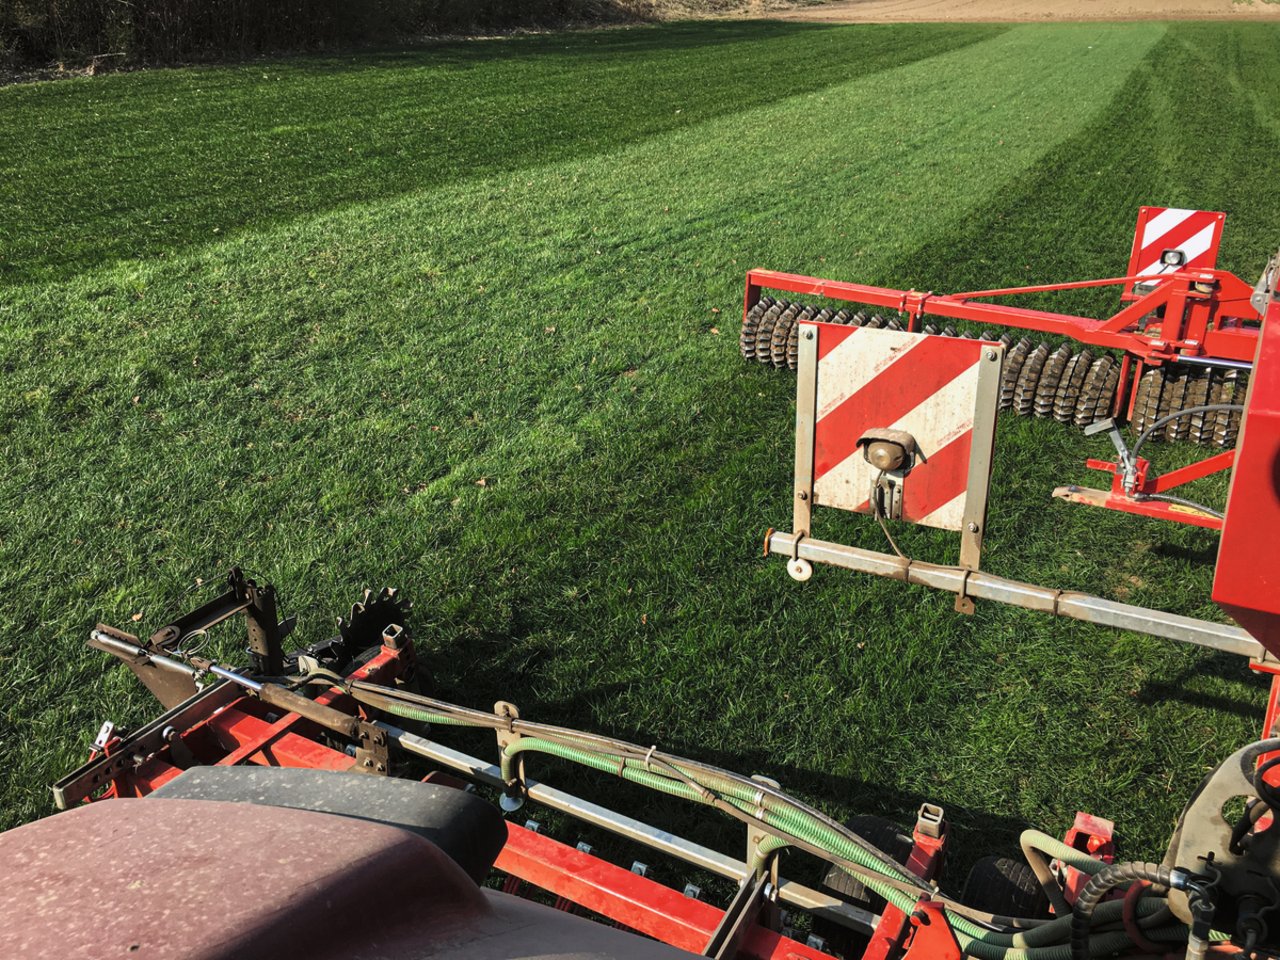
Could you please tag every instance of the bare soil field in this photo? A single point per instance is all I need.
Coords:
(1026, 11)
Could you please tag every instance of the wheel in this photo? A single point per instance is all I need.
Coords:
(1005, 887)
(799, 569)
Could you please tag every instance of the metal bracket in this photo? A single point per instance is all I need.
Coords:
(739, 918)
(515, 789)
(143, 742)
(373, 755)
(886, 495)
(1129, 477)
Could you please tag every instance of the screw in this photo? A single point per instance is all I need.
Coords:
(991, 354)
(803, 495)
(808, 334)
(368, 763)
(973, 528)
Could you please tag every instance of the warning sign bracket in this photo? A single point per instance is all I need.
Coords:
(881, 410)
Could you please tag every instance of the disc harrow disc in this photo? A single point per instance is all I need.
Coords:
(1098, 391)
(1050, 377)
(1024, 392)
(1070, 386)
(1014, 358)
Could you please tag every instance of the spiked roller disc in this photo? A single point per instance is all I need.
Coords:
(1197, 395)
(777, 346)
(764, 333)
(1050, 377)
(747, 339)
(1097, 391)
(1024, 393)
(1067, 397)
(1014, 358)
(1146, 401)
(1174, 399)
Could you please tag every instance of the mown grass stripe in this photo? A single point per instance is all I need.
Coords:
(138, 165)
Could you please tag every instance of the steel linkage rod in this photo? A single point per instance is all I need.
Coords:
(987, 586)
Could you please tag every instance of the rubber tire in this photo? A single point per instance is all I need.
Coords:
(1006, 887)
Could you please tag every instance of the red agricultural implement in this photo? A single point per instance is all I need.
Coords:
(307, 807)
(896, 419)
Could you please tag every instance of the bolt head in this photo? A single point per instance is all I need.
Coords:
(808, 334)
(991, 354)
(973, 528)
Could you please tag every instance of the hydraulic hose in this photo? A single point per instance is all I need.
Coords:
(1184, 412)
(1102, 883)
(1035, 845)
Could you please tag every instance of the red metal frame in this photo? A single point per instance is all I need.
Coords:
(1117, 498)
(924, 934)
(1205, 312)
(632, 901)
(1247, 581)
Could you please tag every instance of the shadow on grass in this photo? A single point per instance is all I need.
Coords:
(1225, 671)
(141, 165)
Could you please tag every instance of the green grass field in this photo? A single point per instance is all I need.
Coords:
(463, 319)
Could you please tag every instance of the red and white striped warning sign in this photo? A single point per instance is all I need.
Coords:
(877, 379)
(1195, 233)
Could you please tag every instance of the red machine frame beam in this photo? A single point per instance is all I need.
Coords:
(631, 900)
(1195, 333)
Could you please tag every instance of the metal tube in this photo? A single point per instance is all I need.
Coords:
(105, 641)
(1214, 362)
(699, 856)
(986, 586)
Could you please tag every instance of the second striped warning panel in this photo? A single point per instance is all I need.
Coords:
(875, 380)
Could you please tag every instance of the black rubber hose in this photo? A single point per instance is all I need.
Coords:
(1186, 412)
(1102, 883)
(1183, 501)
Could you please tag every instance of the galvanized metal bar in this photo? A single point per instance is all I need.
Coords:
(806, 422)
(981, 446)
(704, 858)
(987, 586)
(1217, 362)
